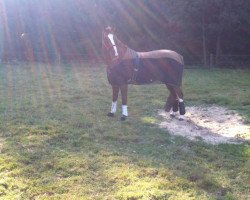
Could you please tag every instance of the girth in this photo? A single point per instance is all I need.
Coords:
(136, 66)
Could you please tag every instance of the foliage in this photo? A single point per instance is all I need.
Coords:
(72, 29)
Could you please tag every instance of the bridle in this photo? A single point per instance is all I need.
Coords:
(108, 47)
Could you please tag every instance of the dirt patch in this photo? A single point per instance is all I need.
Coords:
(212, 124)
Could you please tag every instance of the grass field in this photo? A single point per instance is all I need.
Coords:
(57, 143)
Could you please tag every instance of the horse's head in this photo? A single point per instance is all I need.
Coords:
(109, 43)
(113, 48)
(109, 29)
(106, 31)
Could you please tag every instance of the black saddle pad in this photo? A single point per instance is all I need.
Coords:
(160, 70)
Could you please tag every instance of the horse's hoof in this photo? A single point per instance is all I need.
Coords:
(110, 114)
(181, 118)
(172, 114)
(123, 118)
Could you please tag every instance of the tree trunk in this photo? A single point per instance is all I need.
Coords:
(218, 49)
(204, 42)
(1, 40)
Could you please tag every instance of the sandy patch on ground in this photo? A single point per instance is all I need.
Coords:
(213, 124)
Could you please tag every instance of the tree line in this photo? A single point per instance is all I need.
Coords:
(44, 30)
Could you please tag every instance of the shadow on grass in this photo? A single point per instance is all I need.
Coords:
(117, 164)
(196, 164)
(67, 148)
(143, 163)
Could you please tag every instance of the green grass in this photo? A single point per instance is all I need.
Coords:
(57, 143)
(225, 87)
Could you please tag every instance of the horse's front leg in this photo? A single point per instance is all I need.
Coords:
(115, 91)
(124, 93)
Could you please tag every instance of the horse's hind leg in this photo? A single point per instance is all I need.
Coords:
(182, 109)
(175, 102)
(115, 91)
(172, 103)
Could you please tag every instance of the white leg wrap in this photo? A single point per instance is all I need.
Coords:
(180, 100)
(125, 110)
(172, 113)
(113, 107)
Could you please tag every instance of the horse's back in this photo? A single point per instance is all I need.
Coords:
(164, 53)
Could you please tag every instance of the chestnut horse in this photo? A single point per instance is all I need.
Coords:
(126, 66)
